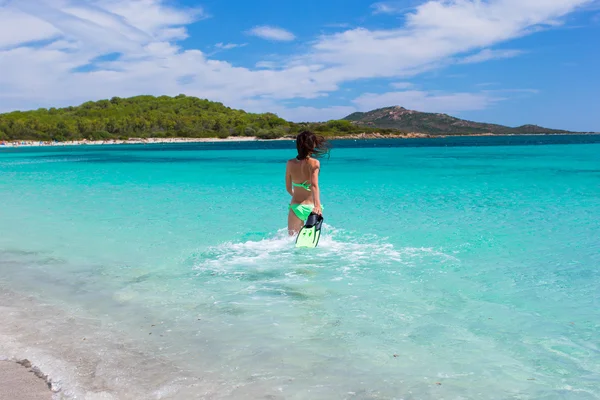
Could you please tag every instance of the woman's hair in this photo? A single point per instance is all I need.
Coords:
(309, 144)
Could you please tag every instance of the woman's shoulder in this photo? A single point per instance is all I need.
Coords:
(314, 162)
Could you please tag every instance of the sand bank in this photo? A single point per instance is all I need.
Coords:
(20, 382)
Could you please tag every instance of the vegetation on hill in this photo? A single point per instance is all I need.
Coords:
(184, 116)
(435, 124)
(157, 117)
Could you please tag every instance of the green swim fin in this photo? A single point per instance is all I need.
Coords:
(310, 233)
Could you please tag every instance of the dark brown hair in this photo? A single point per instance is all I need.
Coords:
(309, 144)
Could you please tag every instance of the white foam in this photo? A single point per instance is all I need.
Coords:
(338, 249)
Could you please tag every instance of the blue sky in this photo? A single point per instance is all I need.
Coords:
(504, 61)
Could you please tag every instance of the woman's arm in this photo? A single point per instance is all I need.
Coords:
(314, 186)
(288, 179)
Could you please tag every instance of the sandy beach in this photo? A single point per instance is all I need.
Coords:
(19, 382)
(34, 143)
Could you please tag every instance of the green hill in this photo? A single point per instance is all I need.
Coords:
(141, 116)
(435, 124)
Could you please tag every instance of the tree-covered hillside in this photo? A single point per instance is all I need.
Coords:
(141, 116)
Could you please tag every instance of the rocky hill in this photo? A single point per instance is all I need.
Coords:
(436, 124)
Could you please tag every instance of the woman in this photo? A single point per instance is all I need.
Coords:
(302, 180)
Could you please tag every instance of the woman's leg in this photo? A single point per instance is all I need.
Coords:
(294, 223)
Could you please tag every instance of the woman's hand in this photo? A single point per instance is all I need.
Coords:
(318, 210)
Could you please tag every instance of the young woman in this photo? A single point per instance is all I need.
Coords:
(302, 180)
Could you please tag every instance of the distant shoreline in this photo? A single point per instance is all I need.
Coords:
(232, 139)
(84, 142)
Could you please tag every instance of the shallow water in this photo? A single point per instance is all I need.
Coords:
(449, 268)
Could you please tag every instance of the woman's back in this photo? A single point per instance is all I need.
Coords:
(300, 171)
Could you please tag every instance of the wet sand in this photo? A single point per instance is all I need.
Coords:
(17, 382)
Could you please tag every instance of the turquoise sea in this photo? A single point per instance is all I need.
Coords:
(457, 268)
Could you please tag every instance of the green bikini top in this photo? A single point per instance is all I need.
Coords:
(304, 185)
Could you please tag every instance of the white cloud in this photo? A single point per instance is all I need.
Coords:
(488, 54)
(151, 15)
(141, 35)
(272, 33)
(266, 64)
(229, 46)
(383, 8)
(12, 33)
(434, 33)
(393, 7)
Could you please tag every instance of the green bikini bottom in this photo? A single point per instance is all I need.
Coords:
(302, 211)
